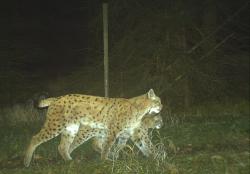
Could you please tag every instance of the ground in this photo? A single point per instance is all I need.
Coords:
(208, 139)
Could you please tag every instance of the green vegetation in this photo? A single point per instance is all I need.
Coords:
(207, 139)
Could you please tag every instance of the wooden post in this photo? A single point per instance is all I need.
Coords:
(105, 44)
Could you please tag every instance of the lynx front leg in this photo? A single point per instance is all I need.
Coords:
(122, 141)
(145, 145)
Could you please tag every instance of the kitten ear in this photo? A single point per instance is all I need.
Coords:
(151, 93)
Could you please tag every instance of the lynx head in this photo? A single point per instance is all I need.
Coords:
(155, 102)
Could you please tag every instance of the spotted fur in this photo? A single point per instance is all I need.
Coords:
(113, 116)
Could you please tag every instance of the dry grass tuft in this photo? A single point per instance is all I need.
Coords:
(132, 161)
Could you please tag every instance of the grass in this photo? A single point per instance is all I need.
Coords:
(212, 139)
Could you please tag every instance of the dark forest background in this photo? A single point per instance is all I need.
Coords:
(191, 52)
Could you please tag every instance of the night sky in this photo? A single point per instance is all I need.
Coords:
(49, 33)
(45, 40)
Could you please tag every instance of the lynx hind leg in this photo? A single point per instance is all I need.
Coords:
(121, 144)
(51, 129)
(67, 137)
(144, 148)
(44, 135)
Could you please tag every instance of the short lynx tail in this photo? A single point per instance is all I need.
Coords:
(46, 102)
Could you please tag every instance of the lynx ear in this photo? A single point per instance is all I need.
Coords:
(151, 93)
